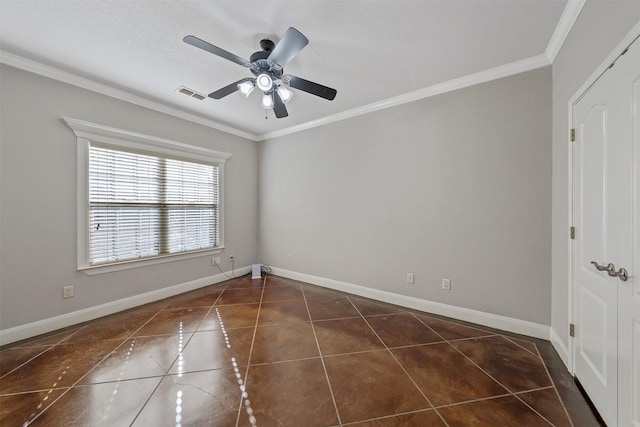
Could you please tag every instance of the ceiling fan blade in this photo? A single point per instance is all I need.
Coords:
(227, 90)
(194, 41)
(312, 88)
(291, 43)
(278, 107)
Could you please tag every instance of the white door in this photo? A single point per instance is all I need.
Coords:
(629, 292)
(605, 197)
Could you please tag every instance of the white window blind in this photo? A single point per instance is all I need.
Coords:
(144, 205)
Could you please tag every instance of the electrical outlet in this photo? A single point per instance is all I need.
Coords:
(411, 278)
(67, 291)
(289, 258)
(231, 258)
(446, 284)
(215, 260)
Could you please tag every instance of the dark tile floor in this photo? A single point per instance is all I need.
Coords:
(276, 352)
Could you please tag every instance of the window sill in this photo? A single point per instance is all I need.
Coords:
(162, 259)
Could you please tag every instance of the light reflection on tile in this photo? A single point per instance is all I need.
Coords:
(233, 316)
(12, 358)
(280, 352)
(244, 393)
(137, 358)
(292, 393)
(21, 409)
(207, 398)
(60, 366)
(214, 349)
(105, 404)
(172, 321)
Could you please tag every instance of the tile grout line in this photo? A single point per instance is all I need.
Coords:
(479, 367)
(165, 375)
(253, 340)
(92, 367)
(115, 349)
(515, 394)
(480, 399)
(324, 366)
(530, 407)
(430, 328)
(510, 393)
(386, 347)
(553, 383)
(386, 417)
(48, 347)
(511, 339)
(487, 373)
(489, 334)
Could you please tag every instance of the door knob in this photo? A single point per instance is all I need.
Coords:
(611, 271)
(622, 274)
(609, 268)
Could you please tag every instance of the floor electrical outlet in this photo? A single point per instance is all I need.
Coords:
(446, 284)
(411, 279)
(67, 291)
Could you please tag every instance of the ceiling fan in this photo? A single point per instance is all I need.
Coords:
(267, 66)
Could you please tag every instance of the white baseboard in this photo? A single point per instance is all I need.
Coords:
(561, 348)
(33, 329)
(503, 323)
(487, 319)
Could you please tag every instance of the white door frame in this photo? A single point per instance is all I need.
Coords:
(602, 68)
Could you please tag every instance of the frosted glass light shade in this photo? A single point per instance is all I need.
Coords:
(285, 94)
(246, 88)
(267, 101)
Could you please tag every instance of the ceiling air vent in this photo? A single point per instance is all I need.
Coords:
(191, 93)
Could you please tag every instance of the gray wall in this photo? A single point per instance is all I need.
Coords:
(599, 28)
(38, 198)
(455, 186)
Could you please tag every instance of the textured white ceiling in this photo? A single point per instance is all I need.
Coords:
(369, 51)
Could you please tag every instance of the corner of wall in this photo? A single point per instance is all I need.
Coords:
(560, 347)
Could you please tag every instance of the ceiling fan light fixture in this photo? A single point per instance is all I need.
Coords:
(264, 82)
(246, 88)
(267, 66)
(284, 94)
(267, 101)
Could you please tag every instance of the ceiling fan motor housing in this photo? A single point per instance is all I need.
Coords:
(267, 45)
(267, 65)
(261, 65)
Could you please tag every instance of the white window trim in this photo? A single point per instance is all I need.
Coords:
(86, 132)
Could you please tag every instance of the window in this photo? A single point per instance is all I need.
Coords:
(143, 205)
(144, 200)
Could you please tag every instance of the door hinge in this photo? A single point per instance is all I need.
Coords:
(573, 135)
(572, 330)
(572, 232)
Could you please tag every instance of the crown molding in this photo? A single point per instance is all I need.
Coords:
(35, 67)
(565, 23)
(567, 19)
(495, 73)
